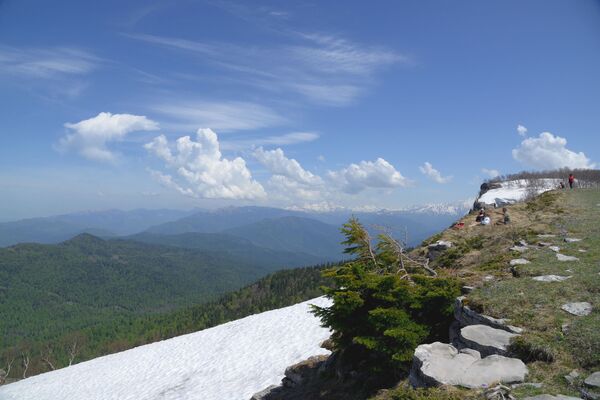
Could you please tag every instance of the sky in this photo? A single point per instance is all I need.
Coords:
(314, 105)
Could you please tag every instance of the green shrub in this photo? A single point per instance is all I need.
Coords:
(380, 312)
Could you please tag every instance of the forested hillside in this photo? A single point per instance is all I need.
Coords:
(120, 331)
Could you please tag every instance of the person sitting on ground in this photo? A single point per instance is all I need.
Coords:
(561, 185)
(506, 216)
(486, 219)
(479, 216)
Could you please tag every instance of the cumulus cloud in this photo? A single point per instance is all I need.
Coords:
(278, 164)
(428, 170)
(521, 130)
(205, 173)
(367, 174)
(549, 152)
(492, 173)
(90, 137)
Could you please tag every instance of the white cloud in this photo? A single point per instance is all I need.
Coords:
(278, 164)
(428, 170)
(367, 174)
(492, 173)
(278, 140)
(521, 130)
(222, 116)
(321, 158)
(45, 62)
(326, 70)
(549, 152)
(90, 137)
(202, 168)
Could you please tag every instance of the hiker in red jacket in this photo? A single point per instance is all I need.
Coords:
(571, 180)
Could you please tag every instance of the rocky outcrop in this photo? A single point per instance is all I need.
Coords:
(486, 340)
(304, 371)
(550, 278)
(442, 364)
(465, 316)
(435, 249)
(580, 309)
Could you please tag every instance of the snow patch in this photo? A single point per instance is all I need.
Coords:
(514, 191)
(230, 361)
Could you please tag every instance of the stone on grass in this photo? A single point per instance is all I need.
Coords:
(593, 380)
(435, 249)
(550, 278)
(582, 251)
(550, 397)
(518, 261)
(555, 249)
(544, 244)
(572, 240)
(442, 364)
(520, 249)
(465, 316)
(486, 340)
(562, 257)
(546, 235)
(580, 309)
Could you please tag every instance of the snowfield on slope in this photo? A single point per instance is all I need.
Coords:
(228, 362)
(515, 191)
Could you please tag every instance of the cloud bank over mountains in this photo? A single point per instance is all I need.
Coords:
(550, 152)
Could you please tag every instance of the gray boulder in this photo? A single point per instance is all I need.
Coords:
(518, 261)
(562, 257)
(550, 278)
(555, 249)
(520, 249)
(593, 380)
(486, 340)
(580, 309)
(572, 240)
(442, 364)
(435, 249)
(465, 316)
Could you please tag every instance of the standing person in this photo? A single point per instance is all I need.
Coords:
(571, 180)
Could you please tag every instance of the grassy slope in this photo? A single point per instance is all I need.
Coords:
(483, 251)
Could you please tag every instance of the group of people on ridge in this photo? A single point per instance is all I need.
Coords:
(483, 218)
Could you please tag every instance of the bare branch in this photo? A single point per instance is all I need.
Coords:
(25, 360)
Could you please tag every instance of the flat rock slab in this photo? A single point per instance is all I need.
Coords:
(580, 309)
(550, 397)
(442, 364)
(546, 235)
(593, 380)
(465, 316)
(562, 257)
(520, 249)
(550, 278)
(555, 249)
(544, 244)
(486, 340)
(518, 261)
(572, 240)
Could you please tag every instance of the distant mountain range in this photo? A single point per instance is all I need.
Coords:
(314, 233)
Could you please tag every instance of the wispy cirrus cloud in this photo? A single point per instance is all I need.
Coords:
(274, 140)
(323, 69)
(224, 116)
(46, 63)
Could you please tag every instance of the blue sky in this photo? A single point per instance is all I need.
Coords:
(310, 104)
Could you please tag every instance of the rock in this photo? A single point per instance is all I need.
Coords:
(520, 249)
(544, 244)
(467, 289)
(555, 249)
(518, 261)
(572, 240)
(522, 243)
(264, 394)
(488, 278)
(565, 328)
(580, 309)
(498, 392)
(562, 257)
(593, 381)
(546, 235)
(572, 377)
(465, 316)
(303, 371)
(550, 278)
(442, 364)
(486, 340)
(550, 397)
(435, 249)
(327, 344)
(582, 251)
